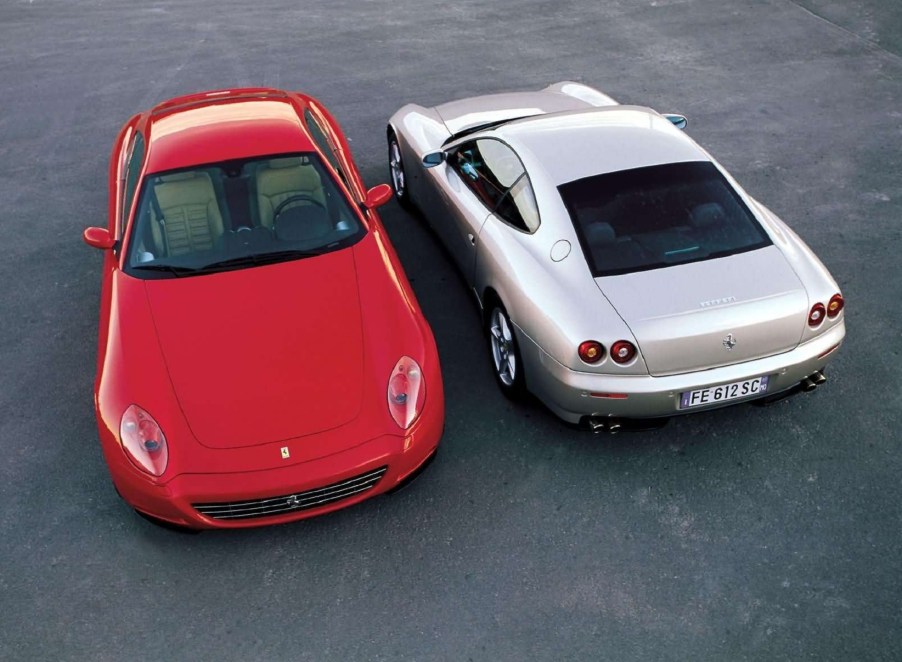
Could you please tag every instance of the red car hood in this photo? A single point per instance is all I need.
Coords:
(263, 354)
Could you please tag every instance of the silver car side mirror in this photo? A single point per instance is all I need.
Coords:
(433, 159)
(679, 121)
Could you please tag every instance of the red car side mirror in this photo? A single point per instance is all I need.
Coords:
(378, 196)
(98, 238)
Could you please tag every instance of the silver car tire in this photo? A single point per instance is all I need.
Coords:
(396, 170)
(504, 353)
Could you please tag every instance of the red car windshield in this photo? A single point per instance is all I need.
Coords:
(238, 214)
(657, 216)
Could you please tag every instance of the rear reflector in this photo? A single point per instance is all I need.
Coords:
(610, 396)
(823, 354)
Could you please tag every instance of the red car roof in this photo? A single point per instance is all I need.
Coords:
(219, 126)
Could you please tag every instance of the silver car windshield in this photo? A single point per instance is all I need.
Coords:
(238, 214)
(657, 216)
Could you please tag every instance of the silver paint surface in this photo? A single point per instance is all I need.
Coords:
(677, 316)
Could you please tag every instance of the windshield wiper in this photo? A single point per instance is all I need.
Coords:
(174, 269)
(255, 259)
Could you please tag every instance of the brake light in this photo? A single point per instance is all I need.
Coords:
(835, 306)
(623, 351)
(143, 440)
(816, 316)
(406, 392)
(591, 351)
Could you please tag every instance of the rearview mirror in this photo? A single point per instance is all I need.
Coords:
(377, 196)
(433, 159)
(679, 121)
(98, 238)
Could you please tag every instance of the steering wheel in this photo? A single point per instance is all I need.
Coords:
(297, 197)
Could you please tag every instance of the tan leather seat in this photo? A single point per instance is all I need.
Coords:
(282, 178)
(192, 220)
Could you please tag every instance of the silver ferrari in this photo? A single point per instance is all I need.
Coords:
(622, 272)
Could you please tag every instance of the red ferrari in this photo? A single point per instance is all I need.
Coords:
(261, 355)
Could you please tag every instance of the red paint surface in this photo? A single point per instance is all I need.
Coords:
(237, 365)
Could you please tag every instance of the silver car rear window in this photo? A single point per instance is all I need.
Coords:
(657, 216)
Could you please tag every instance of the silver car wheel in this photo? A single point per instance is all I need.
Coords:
(503, 351)
(397, 168)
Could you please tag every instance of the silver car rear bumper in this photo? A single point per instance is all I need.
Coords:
(567, 392)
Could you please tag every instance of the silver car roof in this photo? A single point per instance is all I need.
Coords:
(464, 114)
(581, 143)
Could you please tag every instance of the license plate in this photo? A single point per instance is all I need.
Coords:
(724, 392)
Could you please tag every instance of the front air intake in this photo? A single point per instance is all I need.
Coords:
(290, 503)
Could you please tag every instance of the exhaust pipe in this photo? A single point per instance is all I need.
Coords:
(812, 381)
(595, 425)
(598, 425)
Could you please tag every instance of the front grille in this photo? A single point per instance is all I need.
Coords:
(291, 503)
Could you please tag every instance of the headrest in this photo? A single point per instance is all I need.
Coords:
(284, 179)
(286, 162)
(710, 213)
(189, 188)
(178, 177)
(600, 234)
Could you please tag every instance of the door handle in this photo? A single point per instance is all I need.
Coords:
(472, 239)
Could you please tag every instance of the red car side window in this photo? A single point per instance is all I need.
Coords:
(132, 171)
(323, 142)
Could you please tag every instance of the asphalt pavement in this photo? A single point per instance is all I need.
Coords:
(742, 534)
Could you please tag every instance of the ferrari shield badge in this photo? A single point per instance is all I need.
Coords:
(729, 342)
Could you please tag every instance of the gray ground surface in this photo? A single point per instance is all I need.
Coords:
(747, 533)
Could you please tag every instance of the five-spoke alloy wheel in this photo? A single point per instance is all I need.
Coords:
(396, 169)
(506, 361)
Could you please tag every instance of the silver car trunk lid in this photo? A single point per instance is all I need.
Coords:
(711, 313)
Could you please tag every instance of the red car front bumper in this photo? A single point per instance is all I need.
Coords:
(289, 493)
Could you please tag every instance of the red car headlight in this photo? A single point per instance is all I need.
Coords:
(406, 392)
(143, 440)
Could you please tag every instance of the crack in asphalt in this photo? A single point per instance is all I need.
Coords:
(876, 45)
